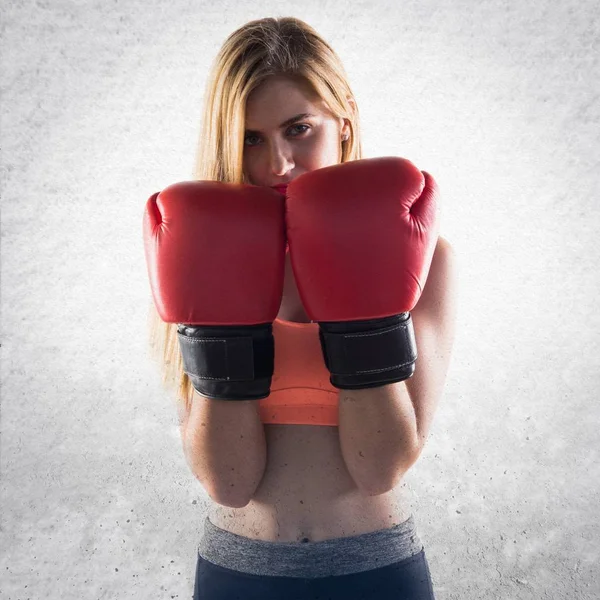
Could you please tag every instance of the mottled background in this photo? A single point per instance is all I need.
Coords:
(101, 105)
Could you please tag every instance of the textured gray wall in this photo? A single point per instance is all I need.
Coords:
(100, 108)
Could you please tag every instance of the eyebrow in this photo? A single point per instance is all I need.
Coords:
(299, 117)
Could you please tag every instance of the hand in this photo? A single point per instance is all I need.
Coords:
(215, 254)
(362, 236)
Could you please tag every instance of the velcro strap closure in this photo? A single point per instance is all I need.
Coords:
(225, 359)
(369, 351)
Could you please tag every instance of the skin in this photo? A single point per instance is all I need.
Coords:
(274, 155)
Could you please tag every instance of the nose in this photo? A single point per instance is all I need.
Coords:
(281, 159)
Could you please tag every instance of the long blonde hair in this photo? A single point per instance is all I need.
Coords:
(257, 50)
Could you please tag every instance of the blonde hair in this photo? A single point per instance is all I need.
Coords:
(257, 50)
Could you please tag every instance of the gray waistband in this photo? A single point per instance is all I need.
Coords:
(340, 556)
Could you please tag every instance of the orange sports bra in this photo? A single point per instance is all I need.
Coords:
(301, 393)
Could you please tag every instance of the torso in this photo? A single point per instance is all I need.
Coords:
(307, 493)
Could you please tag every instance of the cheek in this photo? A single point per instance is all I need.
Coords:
(252, 174)
(318, 152)
(252, 163)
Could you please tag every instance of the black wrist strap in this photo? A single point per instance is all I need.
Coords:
(372, 353)
(228, 362)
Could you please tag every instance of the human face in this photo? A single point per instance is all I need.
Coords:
(288, 131)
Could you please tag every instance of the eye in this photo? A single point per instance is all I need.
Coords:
(249, 137)
(304, 130)
(252, 136)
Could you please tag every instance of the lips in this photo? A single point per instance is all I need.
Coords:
(282, 188)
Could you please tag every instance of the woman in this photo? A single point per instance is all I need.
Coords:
(302, 505)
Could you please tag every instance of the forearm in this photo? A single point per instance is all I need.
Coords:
(226, 449)
(378, 435)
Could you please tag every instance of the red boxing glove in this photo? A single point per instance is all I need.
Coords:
(362, 236)
(215, 254)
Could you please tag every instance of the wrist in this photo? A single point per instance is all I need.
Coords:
(228, 362)
(369, 353)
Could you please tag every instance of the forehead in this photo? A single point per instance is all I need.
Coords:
(281, 96)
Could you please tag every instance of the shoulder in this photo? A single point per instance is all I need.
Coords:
(438, 299)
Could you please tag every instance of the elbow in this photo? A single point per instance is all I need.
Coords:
(230, 501)
(381, 486)
(374, 490)
(231, 498)
(237, 490)
(386, 482)
(373, 485)
(232, 494)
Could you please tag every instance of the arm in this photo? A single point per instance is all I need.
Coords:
(383, 430)
(200, 246)
(225, 447)
(378, 435)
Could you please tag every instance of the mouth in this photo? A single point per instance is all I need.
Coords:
(281, 188)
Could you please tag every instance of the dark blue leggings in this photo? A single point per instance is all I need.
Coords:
(408, 579)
